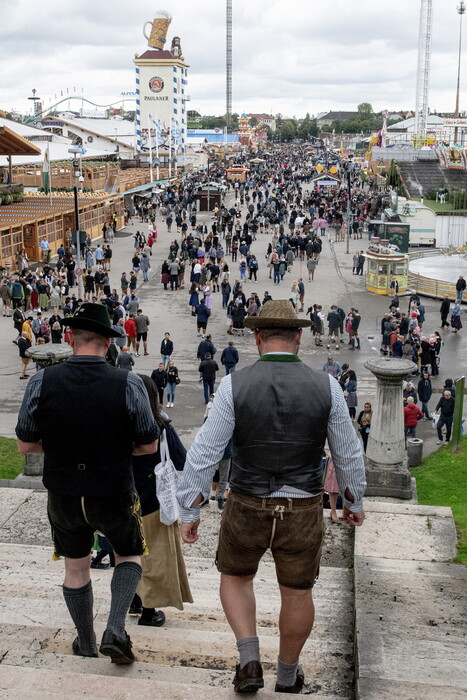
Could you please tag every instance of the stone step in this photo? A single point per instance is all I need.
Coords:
(195, 649)
(164, 645)
(44, 683)
(211, 677)
(22, 613)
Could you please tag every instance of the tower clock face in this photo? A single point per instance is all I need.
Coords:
(156, 84)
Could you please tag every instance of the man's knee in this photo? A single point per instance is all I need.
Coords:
(296, 594)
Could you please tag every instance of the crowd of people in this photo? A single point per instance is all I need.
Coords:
(213, 264)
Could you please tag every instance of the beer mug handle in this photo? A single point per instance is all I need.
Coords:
(144, 29)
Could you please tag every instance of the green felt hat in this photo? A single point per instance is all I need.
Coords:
(92, 317)
(277, 313)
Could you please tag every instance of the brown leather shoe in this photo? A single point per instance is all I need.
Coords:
(248, 679)
(296, 687)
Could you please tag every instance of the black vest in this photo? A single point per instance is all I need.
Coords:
(86, 431)
(281, 416)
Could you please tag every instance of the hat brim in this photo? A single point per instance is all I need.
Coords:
(264, 322)
(89, 325)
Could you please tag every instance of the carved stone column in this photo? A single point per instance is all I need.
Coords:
(386, 459)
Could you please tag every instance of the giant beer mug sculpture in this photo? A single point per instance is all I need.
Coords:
(159, 28)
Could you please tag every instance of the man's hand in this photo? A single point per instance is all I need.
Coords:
(189, 532)
(355, 519)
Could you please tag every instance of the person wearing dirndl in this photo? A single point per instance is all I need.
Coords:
(164, 582)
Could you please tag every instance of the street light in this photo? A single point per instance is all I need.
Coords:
(461, 11)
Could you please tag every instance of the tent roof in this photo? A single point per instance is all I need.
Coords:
(12, 144)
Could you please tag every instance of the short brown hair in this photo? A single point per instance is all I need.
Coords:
(83, 337)
(287, 334)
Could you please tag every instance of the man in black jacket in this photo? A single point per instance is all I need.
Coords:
(167, 348)
(159, 377)
(207, 369)
(444, 311)
(424, 391)
(460, 287)
(90, 482)
(205, 346)
(446, 408)
(229, 357)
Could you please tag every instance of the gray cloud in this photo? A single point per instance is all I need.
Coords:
(290, 57)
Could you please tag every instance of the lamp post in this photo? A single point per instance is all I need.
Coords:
(347, 250)
(209, 202)
(461, 11)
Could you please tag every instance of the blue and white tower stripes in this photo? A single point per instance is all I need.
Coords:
(138, 112)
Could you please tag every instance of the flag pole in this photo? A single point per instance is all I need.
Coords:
(170, 148)
(150, 149)
(158, 126)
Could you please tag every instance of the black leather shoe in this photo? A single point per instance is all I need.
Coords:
(99, 565)
(248, 679)
(118, 648)
(77, 650)
(136, 607)
(157, 619)
(296, 687)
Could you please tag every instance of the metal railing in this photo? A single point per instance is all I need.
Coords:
(430, 287)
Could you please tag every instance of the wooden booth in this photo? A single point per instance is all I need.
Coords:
(237, 174)
(23, 224)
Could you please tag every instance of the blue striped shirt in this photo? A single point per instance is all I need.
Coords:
(145, 428)
(209, 444)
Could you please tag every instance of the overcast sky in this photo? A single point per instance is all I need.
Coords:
(289, 56)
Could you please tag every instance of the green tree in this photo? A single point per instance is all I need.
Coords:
(305, 128)
(210, 122)
(253, 121)
(288, 130)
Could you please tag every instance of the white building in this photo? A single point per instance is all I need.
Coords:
(105, 135)
(161, 85)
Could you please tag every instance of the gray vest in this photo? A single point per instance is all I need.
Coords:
(281, 416)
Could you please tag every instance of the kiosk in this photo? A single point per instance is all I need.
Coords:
(386, 264)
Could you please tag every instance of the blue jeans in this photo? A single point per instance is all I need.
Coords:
(165, 359)
(447, 421)
(229, 369)
(171, 392)
(225, 299)
(277, 277)
(459, 293)
(425, 410)
(208, 386)
(243, 273)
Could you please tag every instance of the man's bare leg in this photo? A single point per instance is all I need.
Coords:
(238, 600)
(295, 622)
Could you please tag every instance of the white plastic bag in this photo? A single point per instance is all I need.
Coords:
(435, 419)
(166, 485)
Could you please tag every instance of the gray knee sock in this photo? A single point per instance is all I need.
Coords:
(125, 580)
(248, 648)
(79, 602)
(286, 673)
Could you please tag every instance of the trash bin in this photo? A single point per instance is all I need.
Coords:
(414, 451)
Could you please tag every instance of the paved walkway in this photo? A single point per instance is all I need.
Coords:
(169, 311)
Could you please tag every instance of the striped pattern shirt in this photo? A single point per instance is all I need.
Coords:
(209, 444)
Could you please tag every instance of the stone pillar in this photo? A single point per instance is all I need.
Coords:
(44, 355)
(386, 459)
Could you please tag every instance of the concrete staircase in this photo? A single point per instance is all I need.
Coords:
(193, 656)
(421, 176)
